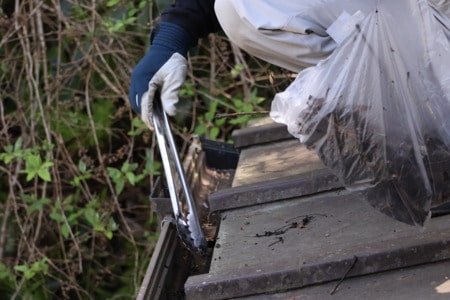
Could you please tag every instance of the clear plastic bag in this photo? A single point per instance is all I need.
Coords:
(377, 111)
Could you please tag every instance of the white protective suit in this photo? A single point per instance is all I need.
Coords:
(290, 34)
(372, 96)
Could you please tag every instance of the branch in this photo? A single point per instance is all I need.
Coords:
(238, 114)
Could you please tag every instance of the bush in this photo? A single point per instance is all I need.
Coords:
(76, 163)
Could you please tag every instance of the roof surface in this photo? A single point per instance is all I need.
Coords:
(289, 230)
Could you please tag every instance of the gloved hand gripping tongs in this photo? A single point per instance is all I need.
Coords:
(187, 223)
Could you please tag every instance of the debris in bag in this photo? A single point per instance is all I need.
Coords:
(377, 110)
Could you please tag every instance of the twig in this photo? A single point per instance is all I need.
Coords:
(278, 231)
(309, 217)
(283, 229)
(355, 259)
(238, 114)
(279, 240)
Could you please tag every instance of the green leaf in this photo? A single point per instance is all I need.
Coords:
(247, 107)
(5, 274)
(200, 129)
(38, 205)
(26, 270)
(81, 166)
(21, 268)
(44, 174)
(140, 177)
(65, 230)
(40, 266)
(254, 97)
(33, 161)
(72, 218)
(9, 148)
(47, 164)
(90, 215)
(237, 103)
(239, 120)
(220, 122)
(76, 181)
(119, 186)
(132, 11)
(131, 178)
(211, 114)
(7, 157)
(57, 217)
(114, 173)
(18, 144)
(108, 234)
(138, 127)
(127, 167)
(31, 175)
(112, 3)
(214, 133)
(34, 167)
(99, 227)
(30, 199)
(130, 20)
(112, 225)
(237, 70)
(142, 4)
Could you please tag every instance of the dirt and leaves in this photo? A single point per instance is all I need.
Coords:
(76, 164)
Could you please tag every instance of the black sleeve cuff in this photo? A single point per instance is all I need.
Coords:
(195, 16)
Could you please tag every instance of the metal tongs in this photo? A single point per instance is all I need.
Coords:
(187, 221)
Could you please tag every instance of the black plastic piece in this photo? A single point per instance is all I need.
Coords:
(219, 155)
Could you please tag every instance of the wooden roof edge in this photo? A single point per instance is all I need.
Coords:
(255, 135)
(273, 190)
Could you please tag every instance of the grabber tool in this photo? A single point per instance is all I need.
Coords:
(184, 209)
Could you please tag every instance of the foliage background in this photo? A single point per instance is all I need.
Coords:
(76, 164)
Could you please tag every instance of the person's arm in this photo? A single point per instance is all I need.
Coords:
(196, 16)
(164, 66)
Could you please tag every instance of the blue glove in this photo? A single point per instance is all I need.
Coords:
(163, 68)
